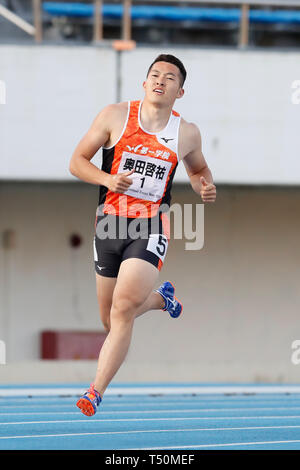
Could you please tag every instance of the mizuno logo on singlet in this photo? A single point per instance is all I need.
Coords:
(165, 139)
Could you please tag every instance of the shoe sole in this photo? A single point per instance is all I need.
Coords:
(85, 407)
(176, 300)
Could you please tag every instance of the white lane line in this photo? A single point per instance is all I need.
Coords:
(106, 403)
(127, 400)
(152, 431)
(158, 411)
(197, 446)
(40, 413)
(136, 409)
(148, 390)
(19, 402)
(212, 418)
(127, 405)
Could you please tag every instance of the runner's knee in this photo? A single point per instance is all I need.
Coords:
(124, 308)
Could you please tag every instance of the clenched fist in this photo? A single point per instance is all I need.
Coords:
(119, 183)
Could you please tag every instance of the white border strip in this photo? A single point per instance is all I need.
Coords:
(145, 390)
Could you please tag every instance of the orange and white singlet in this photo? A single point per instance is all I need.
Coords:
(153, 156)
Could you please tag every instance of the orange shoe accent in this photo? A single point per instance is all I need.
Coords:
(85, 407)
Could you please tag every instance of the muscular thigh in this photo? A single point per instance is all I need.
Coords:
(135, 282)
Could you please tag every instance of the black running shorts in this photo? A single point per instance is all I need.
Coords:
(118, 238)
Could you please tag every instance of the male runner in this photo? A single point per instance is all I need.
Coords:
(142, 142)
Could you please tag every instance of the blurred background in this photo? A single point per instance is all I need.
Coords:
(59, 66)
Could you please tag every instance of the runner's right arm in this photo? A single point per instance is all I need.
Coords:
(80, 164)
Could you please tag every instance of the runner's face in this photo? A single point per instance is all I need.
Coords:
(163, 84)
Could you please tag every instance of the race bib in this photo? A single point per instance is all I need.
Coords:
(158, 244)
(149, 179)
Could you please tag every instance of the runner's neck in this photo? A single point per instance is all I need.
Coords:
(154, 119)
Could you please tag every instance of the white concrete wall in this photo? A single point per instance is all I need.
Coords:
(241, 101)
(52, 96)
(240, 292)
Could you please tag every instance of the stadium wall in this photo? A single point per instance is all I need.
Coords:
(240, 291)
(243, 102)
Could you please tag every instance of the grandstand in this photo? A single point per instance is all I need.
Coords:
(255, 23)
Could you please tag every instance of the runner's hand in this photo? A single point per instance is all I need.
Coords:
(208, 191)
(119, 183)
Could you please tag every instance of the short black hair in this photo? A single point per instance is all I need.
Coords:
(171, 59)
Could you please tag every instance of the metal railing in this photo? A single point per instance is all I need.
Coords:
(36, 30)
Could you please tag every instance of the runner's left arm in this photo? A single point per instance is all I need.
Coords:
(197, 169)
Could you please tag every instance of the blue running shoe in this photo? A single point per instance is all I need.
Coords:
(172, 304)
(89, 402)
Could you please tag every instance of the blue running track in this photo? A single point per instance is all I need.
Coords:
(147, 416)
